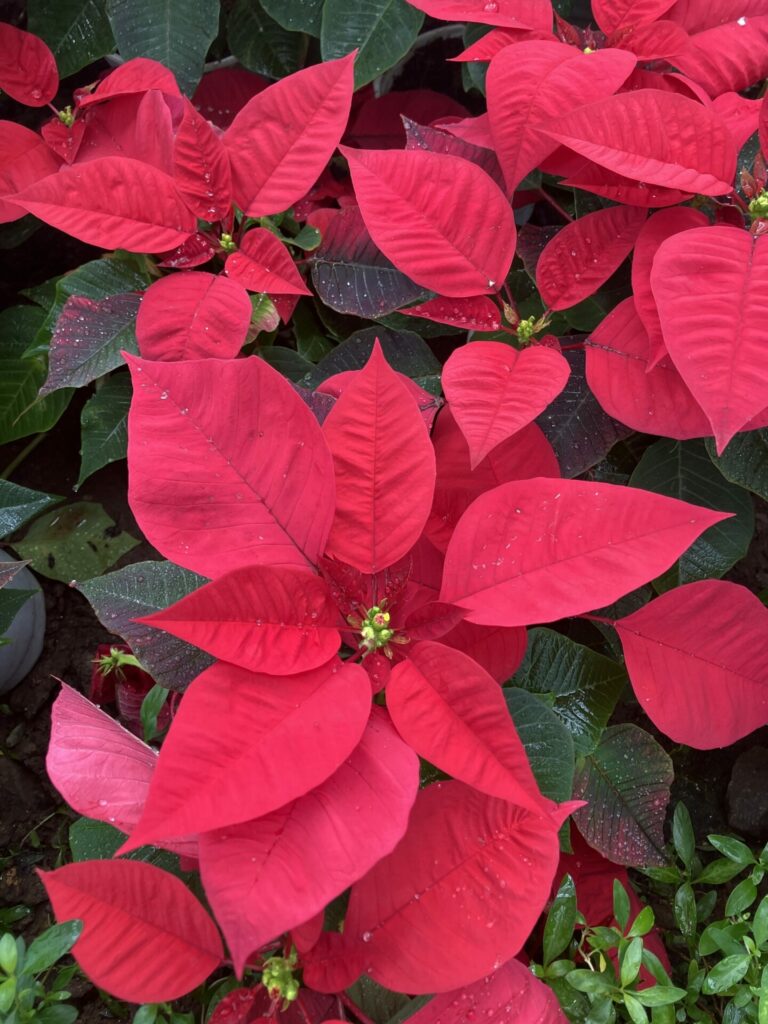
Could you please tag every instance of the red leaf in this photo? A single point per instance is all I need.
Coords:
(282, 138)
(384, 467)
(63, 139)
(507, 13)
(695, 16)
(146, 939)
(525, 454)
(423, 209)
(454, 715)
(476, 130)
(492, 42)
(274, 620)
(740, 114)
(138, 126)
(234, 727)
(459, 894)
(592, 178)
(378, 124)
(112, 202)
(327, 839)
(264, 264)
(652, 400)
(472, 314)
(660, 40)
(714, 330)
(539, 550)
(238, 1007)
(495, 390)
(438, 141)
(195, 251)
(137, 75)
(585, 253)
(511, 995)
(611, 15)
(193, 316)
(530, 83)
(98, 767)
(431, 621)
(201, 167)
(702, 686)
(653, 136)
(24, 159)
(661, 226)
(497, 649)
(217, 485)
(763, 127)
(28, 70)
(727, 58)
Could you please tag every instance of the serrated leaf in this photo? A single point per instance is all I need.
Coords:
(98, 840)
(19, 504)
(103, 422)
(745, 461)
(547, 743)
(263, 44)
(77, 31)
(382, 31)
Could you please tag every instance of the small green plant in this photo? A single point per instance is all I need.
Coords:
(30, 990)
(161, 1013)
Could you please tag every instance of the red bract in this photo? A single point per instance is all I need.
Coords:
(27, 67)
(263, 264)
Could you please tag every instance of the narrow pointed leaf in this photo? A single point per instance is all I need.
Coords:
(384, 467)
(201, 167)
(652, 136)
(585, 253)
(20, 504)
(282, 138)
(382, 31)
(278, 621)
(28, 70)
(193, 316)
(494, 390)
(146, 938)
(422, 210)
(103, 426)
(745, 461)
(701, 686)
(478, 313)
(329, 837)
(264, 443)
(523, 552)
(235, 726)
(263, 264)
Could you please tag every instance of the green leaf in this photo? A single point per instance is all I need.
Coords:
(719, 871)
(405, 352)
(630, 962)
(733, 849)
(7, 994)
(626, 783)
(151, 707)
(586, 685)
(382, 31)
(621, 907)
(643, 923)
(56, 1015)
(9, 955)
(296, 15)
(174, 32)
(760, 923)
(20, 504)
(11, 603)
(97, 840)
(547, 743)
(261, 44)
(635, 1009)
(682, 835)
(103, 424)
(741, 897)
(138, 590)
(683, 470)
(590, 982)
(561, 920)
(727, 973)
(76, 542)
(745, 460)
(291, 365)
(686, 913)
(146, 1014)
(51, 946)
(77, 31)
(376, 1002)
(660, 995)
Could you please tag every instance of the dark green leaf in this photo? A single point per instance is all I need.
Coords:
(146, 1014)
(151, 707)
(261, 44)
(382, 31)
(682, 835)
(11, 603)
(292, 365)
(683, 470)
(77, 31)
(745, 460)
(733, 849)
(561, 919)
(621, 908)
(97, 840)
(547, 743)
(51, 946)
(727, 973)
(643, 923)
(19, 504)
(590, 982)
(56, 1015)
(174, 32)
(405, 351)
(376, 1002)
(741, 897)
(296, 15)
(630, 962)
(760, 923)
(103, 424)
(686, 913)
(138, 590)
(719, 871)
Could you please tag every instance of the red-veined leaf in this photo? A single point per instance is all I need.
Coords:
(590, 177)
(431, 621)
(266, 619)
(740, 114)
(454, 715)
(264, 264)
(436, 140)
(652, 400)
(495, 390)
(657, 41)
(476, 130)
(195, 251)
(201, 167)
(139, 126)
(539, 550)
(611, 15)
(727, 58)
(695, 16)
(28, 70)
(215, 484)
(384, 467)
(113, 202)
(652, 136)
(511, 995)
(243, 744)
(63, 139)
(193, 316)
(478, 313)
(24, 159)
(698, 662)
(146, 939)
(282, 138)
(529, 83)
(459, 894)
(661, 226)
(585, 253)
(497, 649)
(506, 13)
(137, 75)
(327, 838)
(423, 211)
(527, 453)
(714, 328)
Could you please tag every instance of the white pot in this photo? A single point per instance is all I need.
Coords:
(26, 632)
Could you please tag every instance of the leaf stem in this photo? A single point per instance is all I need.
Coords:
(554, 204)
(14, 464)
(352, 1006)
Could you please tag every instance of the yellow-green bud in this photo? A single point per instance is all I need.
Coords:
(758, 208)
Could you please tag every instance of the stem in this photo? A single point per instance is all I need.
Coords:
(554, 204)
(577, 346)
(14, 464)
(352, 1006)
(598, 618)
